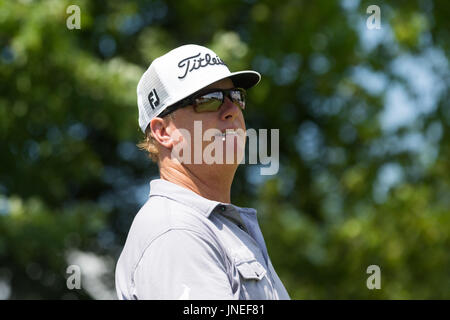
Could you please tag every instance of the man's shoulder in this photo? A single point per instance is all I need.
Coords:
(161, 214)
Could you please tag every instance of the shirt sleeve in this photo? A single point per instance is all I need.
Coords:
(182, 264)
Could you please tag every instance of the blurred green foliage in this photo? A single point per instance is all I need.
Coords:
(359, 183)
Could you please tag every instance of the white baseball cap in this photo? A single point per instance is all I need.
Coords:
(181, 73)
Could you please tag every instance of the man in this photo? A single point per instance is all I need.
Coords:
(188, 241)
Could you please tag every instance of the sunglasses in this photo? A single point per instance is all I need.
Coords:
(209, 101)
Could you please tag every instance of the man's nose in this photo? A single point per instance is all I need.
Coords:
(229, 110)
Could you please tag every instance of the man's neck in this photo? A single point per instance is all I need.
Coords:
(213, 184)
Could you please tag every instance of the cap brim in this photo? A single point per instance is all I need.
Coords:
(245, 79)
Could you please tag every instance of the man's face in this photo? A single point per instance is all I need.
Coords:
(229, 116)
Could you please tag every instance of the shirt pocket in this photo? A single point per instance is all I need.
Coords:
(251, 270)
(251, 276)
(247, 264)
(253, 283)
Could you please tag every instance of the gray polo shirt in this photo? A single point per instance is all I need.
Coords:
(183, 246)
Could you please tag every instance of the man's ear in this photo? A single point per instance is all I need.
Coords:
(160, 131)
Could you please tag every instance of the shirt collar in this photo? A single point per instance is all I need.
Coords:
(170, 190)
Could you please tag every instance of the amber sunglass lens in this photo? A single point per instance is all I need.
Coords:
(207, 104)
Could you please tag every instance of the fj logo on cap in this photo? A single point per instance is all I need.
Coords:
(195, 62)
(153, 99)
